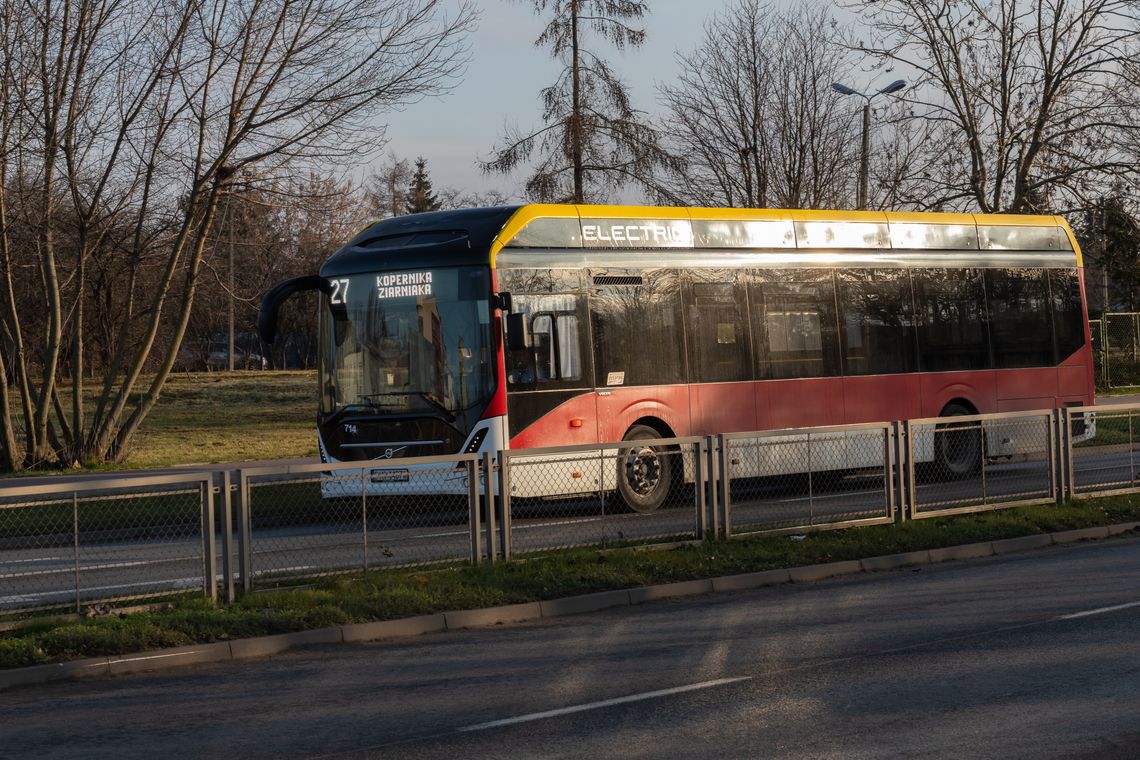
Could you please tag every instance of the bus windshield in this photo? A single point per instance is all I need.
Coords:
(413, 341)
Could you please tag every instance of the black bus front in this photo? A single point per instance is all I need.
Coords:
(409, 348)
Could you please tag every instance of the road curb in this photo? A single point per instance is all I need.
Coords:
(511, 613)
(265, 646)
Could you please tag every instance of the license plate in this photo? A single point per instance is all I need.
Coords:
(389, 476)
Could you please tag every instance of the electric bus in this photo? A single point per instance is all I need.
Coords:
(530, 326)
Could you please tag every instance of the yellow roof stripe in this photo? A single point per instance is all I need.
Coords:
(530, 212)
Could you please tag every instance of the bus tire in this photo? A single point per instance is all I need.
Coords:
(958, 454)
(644, 473)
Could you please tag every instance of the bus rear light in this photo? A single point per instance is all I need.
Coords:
(575, 475)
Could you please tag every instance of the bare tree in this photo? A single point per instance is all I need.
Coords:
(752, 119)
(267, 233)
(128, 121)
(386, 188)
(593, 139)
(450, 197)
(1019, 100)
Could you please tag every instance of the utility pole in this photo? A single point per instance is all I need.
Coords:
(1104, 255)
(230, 362)
(865, 158)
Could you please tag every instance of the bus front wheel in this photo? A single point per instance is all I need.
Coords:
(644, 474)
(958, 446)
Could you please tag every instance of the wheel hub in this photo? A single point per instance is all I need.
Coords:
(643, 469)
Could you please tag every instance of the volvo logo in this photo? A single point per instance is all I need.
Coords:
(389, 453)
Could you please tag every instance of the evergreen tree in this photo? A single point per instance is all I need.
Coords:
(420, 195)
(594, 140)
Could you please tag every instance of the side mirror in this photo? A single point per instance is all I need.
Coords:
(502, 301)
(277, 295)
(518, 336)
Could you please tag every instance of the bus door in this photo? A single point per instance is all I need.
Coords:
(550, 399)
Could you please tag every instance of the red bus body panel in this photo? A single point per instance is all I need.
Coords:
(710, 408)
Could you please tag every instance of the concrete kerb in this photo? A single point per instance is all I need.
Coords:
(264, 646)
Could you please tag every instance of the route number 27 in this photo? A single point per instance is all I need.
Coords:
(339, 291)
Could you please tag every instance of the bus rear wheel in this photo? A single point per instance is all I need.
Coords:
(958, 452)
(644, 473)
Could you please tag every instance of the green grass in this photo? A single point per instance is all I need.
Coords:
(391, 594)
(229, 417)
(225, 417)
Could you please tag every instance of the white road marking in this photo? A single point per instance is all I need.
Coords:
(143, 658)
(604, 703)
(1099, 611)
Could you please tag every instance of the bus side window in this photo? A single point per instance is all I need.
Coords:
(569, 347)
(556, 345)
(795, 324)
(1068, 318)
(1020, 328)
(555, 355)
(542, 342)
(953, 322)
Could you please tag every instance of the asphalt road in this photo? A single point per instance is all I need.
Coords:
(1030, 656)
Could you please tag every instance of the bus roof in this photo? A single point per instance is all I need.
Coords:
(645, 227)
(436, 238)
(463, 236)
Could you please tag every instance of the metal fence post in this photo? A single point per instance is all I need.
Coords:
(492, 527)
(227, 533)
(811, 489)
(506, 524)
(700, 486)
(75, 539)
(1051, 449)
(209, 545)
(364, 518)
(474, 519)
(910, 506)
(896, 488)
(984, 439)
(245, 553)
(1060, 419)
(724, 486)
(1066, 453)
(1131, 453)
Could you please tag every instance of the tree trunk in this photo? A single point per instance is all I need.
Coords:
(576, 108)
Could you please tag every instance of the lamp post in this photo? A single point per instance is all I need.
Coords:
(865, 159)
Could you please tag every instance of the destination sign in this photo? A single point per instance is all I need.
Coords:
(403, 285)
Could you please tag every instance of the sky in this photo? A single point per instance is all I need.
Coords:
(504, 78)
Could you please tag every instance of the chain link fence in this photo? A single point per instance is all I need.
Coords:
(1107, 460)
(792, 480)
(67, 546)
(970, 463)
(605, 496)
(1116, 349)
(321, 519)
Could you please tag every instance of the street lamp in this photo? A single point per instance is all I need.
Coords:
(864, 161)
